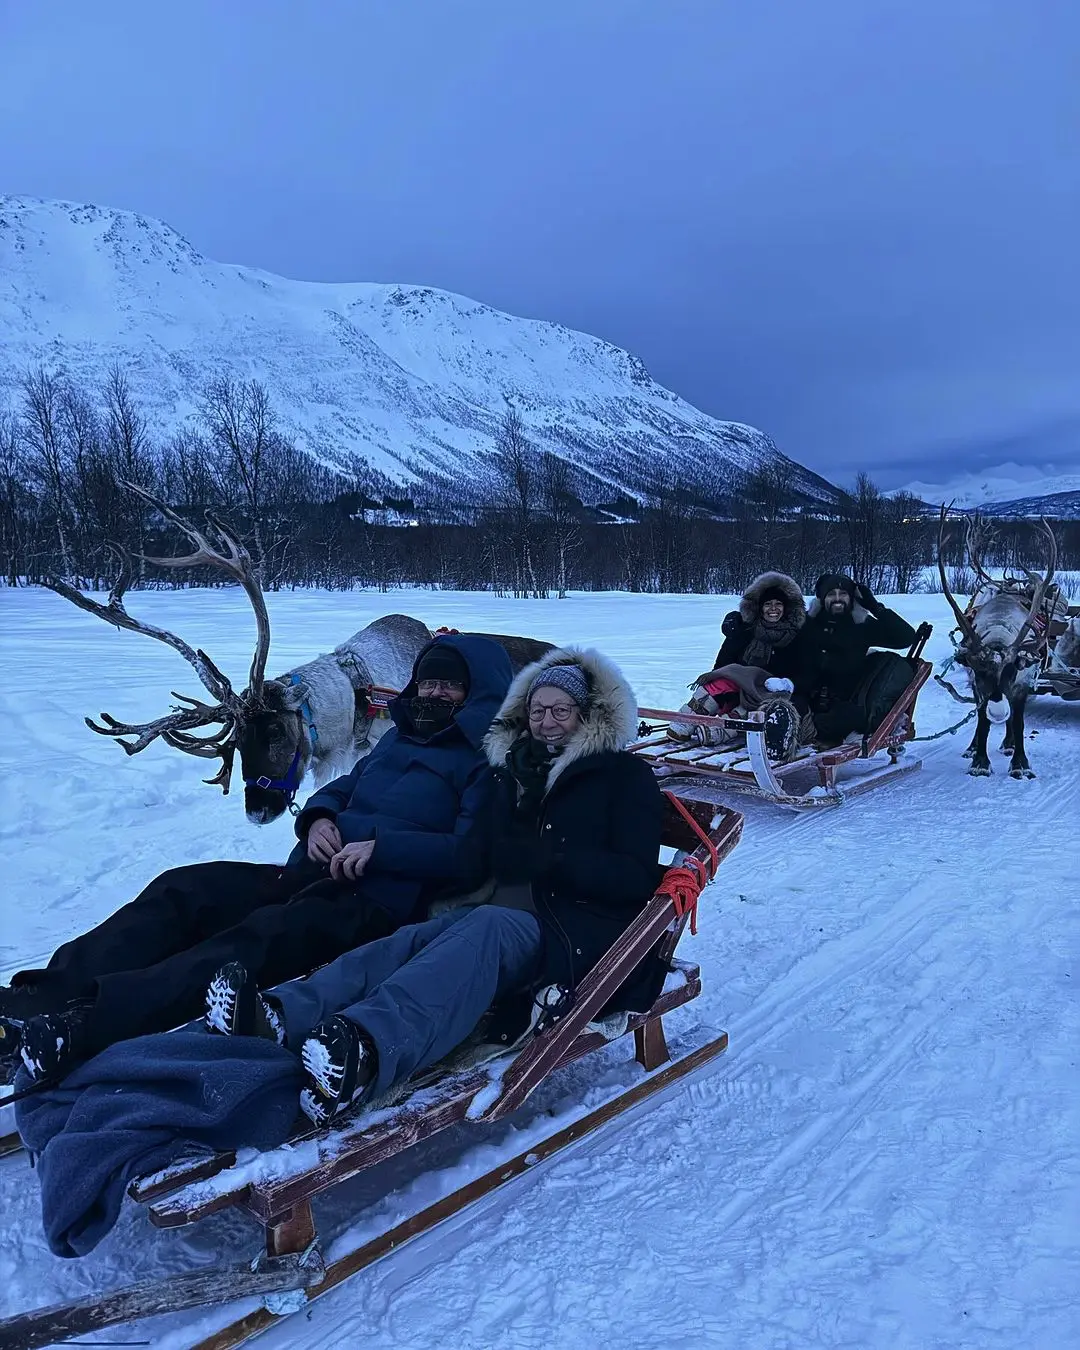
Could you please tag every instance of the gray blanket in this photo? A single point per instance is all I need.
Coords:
(141, 1105)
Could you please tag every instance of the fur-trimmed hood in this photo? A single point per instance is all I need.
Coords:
(609, 724)
(794, 604)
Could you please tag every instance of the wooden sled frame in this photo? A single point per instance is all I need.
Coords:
(703, 835)
(1055, 677)
(749, 770)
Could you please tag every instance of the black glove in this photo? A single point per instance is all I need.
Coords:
(732, 623)
(520, 856)
(865, 597)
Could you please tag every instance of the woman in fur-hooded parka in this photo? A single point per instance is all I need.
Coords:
(750, 641)
(590, 854)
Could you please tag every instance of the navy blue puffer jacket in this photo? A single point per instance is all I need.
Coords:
(424, 802)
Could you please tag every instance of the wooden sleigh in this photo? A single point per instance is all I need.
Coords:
(811, 779)
(1056, 677)
(279, 1192)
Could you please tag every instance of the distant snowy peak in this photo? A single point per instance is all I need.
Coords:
(409, 379)
(1006, 485)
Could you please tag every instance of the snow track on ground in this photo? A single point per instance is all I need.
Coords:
(887, 1156)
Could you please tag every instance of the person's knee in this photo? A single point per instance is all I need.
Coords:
(502, 928)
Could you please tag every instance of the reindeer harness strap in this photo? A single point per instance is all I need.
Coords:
(291, 782)
(307, 716)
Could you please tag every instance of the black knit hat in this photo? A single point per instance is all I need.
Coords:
(834, 581)
(443, 662)
(776, 593)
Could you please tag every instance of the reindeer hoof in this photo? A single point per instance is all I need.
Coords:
(980, 771)
(1021, 773)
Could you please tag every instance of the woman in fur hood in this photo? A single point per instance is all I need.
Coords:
(759, 667)
(578, 822)
(764, 630)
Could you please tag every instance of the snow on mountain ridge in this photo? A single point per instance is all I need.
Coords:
(1003, 484)
(407, 377)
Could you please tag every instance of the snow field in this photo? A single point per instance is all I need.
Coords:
(887, 1156)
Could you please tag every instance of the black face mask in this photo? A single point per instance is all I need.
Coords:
(431, 715)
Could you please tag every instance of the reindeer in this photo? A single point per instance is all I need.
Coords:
(994, 647)
(310, 719)
(317, 717)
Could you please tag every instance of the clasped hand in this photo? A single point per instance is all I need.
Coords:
(347, 861)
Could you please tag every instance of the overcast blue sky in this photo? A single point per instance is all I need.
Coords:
(853, 223)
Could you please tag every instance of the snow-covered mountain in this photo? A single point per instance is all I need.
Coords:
(408, 378)
(1009, 489)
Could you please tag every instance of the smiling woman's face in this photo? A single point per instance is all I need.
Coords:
(772, 611)
(553, 716)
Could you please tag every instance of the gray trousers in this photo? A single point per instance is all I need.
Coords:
(419, 992)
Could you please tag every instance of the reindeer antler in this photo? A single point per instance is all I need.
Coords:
(979, 537)
(175, 727)
(965, 623)
(233, 559)
(1040, 589)
(113, 611)
(168, 727)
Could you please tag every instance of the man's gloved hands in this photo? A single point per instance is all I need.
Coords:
(865, 596)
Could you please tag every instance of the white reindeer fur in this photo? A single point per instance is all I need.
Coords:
(998, 620)
(381, 654)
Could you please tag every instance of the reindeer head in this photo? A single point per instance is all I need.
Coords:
(265, 722)
(275, 749)
(993, 636)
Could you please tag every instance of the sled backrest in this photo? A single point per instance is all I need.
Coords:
(898, 725)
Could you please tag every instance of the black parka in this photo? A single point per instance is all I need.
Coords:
(592, 853)
(834, 649)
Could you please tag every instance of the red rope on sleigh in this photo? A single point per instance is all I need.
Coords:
(684, 883)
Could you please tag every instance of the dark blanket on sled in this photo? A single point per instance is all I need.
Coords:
(141, 1105)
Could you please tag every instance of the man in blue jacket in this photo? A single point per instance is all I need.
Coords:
(406, 825)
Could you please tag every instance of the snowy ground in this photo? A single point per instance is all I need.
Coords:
(886, 1157)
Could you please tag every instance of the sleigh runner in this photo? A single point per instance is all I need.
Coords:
(278, 1190)
(810, 779)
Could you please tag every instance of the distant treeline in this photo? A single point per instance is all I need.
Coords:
(523, 531)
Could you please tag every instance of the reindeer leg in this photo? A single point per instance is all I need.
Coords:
(1020, 766)
(980, 760)
(1007, 746)
(969, 753)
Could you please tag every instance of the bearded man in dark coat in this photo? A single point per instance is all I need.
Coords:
(844, 622)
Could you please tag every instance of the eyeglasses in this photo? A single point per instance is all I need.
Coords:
(560, 711)
(427, 687)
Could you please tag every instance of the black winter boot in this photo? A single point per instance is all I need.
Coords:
(339, 1063)
(54, 1043)
(234, 1007)
(781, 730)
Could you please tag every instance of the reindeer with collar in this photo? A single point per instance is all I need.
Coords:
(313, 718)
(1001, 646)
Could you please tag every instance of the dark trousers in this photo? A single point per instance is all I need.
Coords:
(420, 992)
(147, 966)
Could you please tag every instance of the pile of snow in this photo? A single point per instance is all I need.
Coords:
(409, 379)
(887, 1156)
